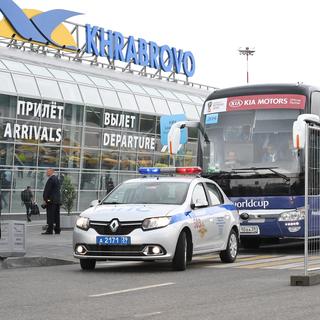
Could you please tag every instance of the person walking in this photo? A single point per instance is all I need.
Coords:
(51, 197)
(27, 201)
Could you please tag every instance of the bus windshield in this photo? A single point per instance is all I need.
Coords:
(251, 138)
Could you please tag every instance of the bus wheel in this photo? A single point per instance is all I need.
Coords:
(250, 243)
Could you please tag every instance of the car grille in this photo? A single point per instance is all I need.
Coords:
(98, 250)
(124, 228)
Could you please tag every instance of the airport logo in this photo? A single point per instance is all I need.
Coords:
(36, 26)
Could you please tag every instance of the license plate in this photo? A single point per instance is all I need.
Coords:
(249, 230)
(113, 240)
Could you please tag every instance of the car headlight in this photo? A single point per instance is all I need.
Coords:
(155, 223)
(294, 215)
(83, 223)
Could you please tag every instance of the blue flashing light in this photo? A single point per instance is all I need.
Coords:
(149, 170)
(170, 170)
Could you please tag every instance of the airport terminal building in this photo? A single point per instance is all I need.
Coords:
(94, 122)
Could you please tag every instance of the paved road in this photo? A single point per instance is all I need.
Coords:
(255, 287)
(153, 291)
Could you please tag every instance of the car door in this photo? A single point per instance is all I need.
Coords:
(219, 215)
(199, 206)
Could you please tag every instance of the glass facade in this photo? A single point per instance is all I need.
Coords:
(87, 127)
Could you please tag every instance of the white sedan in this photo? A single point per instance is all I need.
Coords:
(158, 218)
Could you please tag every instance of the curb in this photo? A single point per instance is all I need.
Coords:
(26, 262)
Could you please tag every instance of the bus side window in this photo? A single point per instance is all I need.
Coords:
(315, 103)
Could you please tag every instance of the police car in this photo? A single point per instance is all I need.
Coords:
(159, 217)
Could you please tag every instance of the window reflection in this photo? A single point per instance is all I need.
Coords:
(49, 157)
(148, 124)
(128, 161)
(91, 159)
(89, 181)
(145, 160)
(6, 153)
(92, 138)
(41, 180)
(70, 158)
(16, 202)
(110, 160)
(8, 106)
(5, 197)
(6, 178)
(23, 177)
(94, 117)
(73, 114)
(162, 160)
(108, 181)
(25, 155)
(71, 136)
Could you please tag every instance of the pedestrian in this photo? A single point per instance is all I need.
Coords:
(51, 197)
(110, 185)
(27, 201)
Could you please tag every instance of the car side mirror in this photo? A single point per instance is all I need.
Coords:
(244, 216)
(94, 203)
(199, 204)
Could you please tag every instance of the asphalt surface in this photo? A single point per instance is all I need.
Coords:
(153, 291)
(257, 286)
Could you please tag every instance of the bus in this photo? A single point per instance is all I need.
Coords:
(246, 146)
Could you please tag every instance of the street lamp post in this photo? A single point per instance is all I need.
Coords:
(248, 52)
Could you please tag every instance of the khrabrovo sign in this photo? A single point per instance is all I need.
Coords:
(148, 54)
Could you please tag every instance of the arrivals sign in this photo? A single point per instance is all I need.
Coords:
(35, 132)
(255, 102)
(47, 28)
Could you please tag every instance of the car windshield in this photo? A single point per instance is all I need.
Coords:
(147, 192)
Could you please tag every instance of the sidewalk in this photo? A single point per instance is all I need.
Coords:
(43, 250)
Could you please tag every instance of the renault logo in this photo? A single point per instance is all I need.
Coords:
(114, 225)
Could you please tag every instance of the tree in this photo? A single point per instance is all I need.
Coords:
(68, 194)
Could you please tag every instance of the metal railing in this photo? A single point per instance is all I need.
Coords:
(312, 200)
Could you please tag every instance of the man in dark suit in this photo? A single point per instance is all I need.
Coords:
(51, 197)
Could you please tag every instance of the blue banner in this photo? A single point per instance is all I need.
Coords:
(165, 124)
(258, 203)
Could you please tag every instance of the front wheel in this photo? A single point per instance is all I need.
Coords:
(179, 262)
(230, 254)
(87, 264)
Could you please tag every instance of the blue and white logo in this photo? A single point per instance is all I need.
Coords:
(37, 26)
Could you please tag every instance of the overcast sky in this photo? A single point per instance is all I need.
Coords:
(285, 34)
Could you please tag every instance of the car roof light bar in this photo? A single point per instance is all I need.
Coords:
(170, 170)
